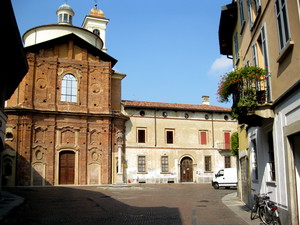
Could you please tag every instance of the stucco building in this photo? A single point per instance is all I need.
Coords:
(265, 33)
(167, 142)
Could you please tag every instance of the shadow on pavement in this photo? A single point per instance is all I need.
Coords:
(67, 205)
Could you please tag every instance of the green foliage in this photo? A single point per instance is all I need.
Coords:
(234, 140)
(238, 84)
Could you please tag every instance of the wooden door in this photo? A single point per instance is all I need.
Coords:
(186, 168)
(66, 167)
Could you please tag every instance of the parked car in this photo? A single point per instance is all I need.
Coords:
(226, 177)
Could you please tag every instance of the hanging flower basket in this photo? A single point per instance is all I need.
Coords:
(242, 86)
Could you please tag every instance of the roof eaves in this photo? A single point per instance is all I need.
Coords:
(227, 24)
(104, 56)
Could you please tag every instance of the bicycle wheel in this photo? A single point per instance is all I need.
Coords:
(275, 221)
(253, 214)
(264, 215)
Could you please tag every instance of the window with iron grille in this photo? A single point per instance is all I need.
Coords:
(141, 135)
(141, 163)
(164, 164)
(207, 163)
(282, 23)
(69, 88)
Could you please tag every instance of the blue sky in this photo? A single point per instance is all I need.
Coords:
(168, 49)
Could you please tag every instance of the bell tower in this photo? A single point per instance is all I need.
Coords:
(96, 23)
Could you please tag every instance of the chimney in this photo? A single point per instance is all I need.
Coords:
(205, 100)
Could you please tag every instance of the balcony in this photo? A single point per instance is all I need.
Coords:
(223, 146)
(250, 91)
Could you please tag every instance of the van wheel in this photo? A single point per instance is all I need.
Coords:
(216, 186)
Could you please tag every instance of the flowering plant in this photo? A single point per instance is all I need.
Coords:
(241, 85)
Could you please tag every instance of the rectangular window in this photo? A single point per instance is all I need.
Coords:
(207, 163)
(170, 136)
(60, 18)
(227, 162)
(242, 16)
(271, 157)
(247, 63)
(257, 5)
(227, 140)
(65, 18)
(203, 137)
(236, 47)
(254, 54)
(262, 43)
(250, 13)
(254, 7)
(264, 47)
(69, 88)
(141, 135)
(254, 160)
(164, 164)
(282, 23)
(141, 164)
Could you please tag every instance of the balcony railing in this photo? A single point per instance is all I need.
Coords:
(223, 146)
(258, 90)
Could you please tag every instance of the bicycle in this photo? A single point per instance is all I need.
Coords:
(268, 213)
(258, 198)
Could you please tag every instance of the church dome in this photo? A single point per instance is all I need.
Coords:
(65, 6)
(97, 13)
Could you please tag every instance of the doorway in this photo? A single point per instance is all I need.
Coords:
(295, 144)
(66, 167)
(186, 170)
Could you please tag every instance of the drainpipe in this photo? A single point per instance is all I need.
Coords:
(155, 132)
(213, 130)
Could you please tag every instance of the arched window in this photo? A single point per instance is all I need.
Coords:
(96, 31)
(69, 88)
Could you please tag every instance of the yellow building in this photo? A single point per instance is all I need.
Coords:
(168, 143)
(265, 34)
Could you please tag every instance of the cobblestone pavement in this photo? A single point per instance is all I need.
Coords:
(140, 204)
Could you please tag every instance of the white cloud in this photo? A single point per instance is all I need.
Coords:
(221, 65)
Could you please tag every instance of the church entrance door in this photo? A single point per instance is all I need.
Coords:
(66, 167)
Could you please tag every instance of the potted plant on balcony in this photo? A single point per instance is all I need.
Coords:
(244, 85)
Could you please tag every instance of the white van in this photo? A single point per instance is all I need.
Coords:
(225, 178)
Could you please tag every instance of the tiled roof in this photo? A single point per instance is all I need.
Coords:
(173, 106)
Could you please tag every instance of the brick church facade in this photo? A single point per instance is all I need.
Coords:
(65, 116)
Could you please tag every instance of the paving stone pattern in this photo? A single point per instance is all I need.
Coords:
(142, 204)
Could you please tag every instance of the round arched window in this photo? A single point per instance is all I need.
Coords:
(96, 31)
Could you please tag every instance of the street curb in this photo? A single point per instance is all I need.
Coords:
(233, 202)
